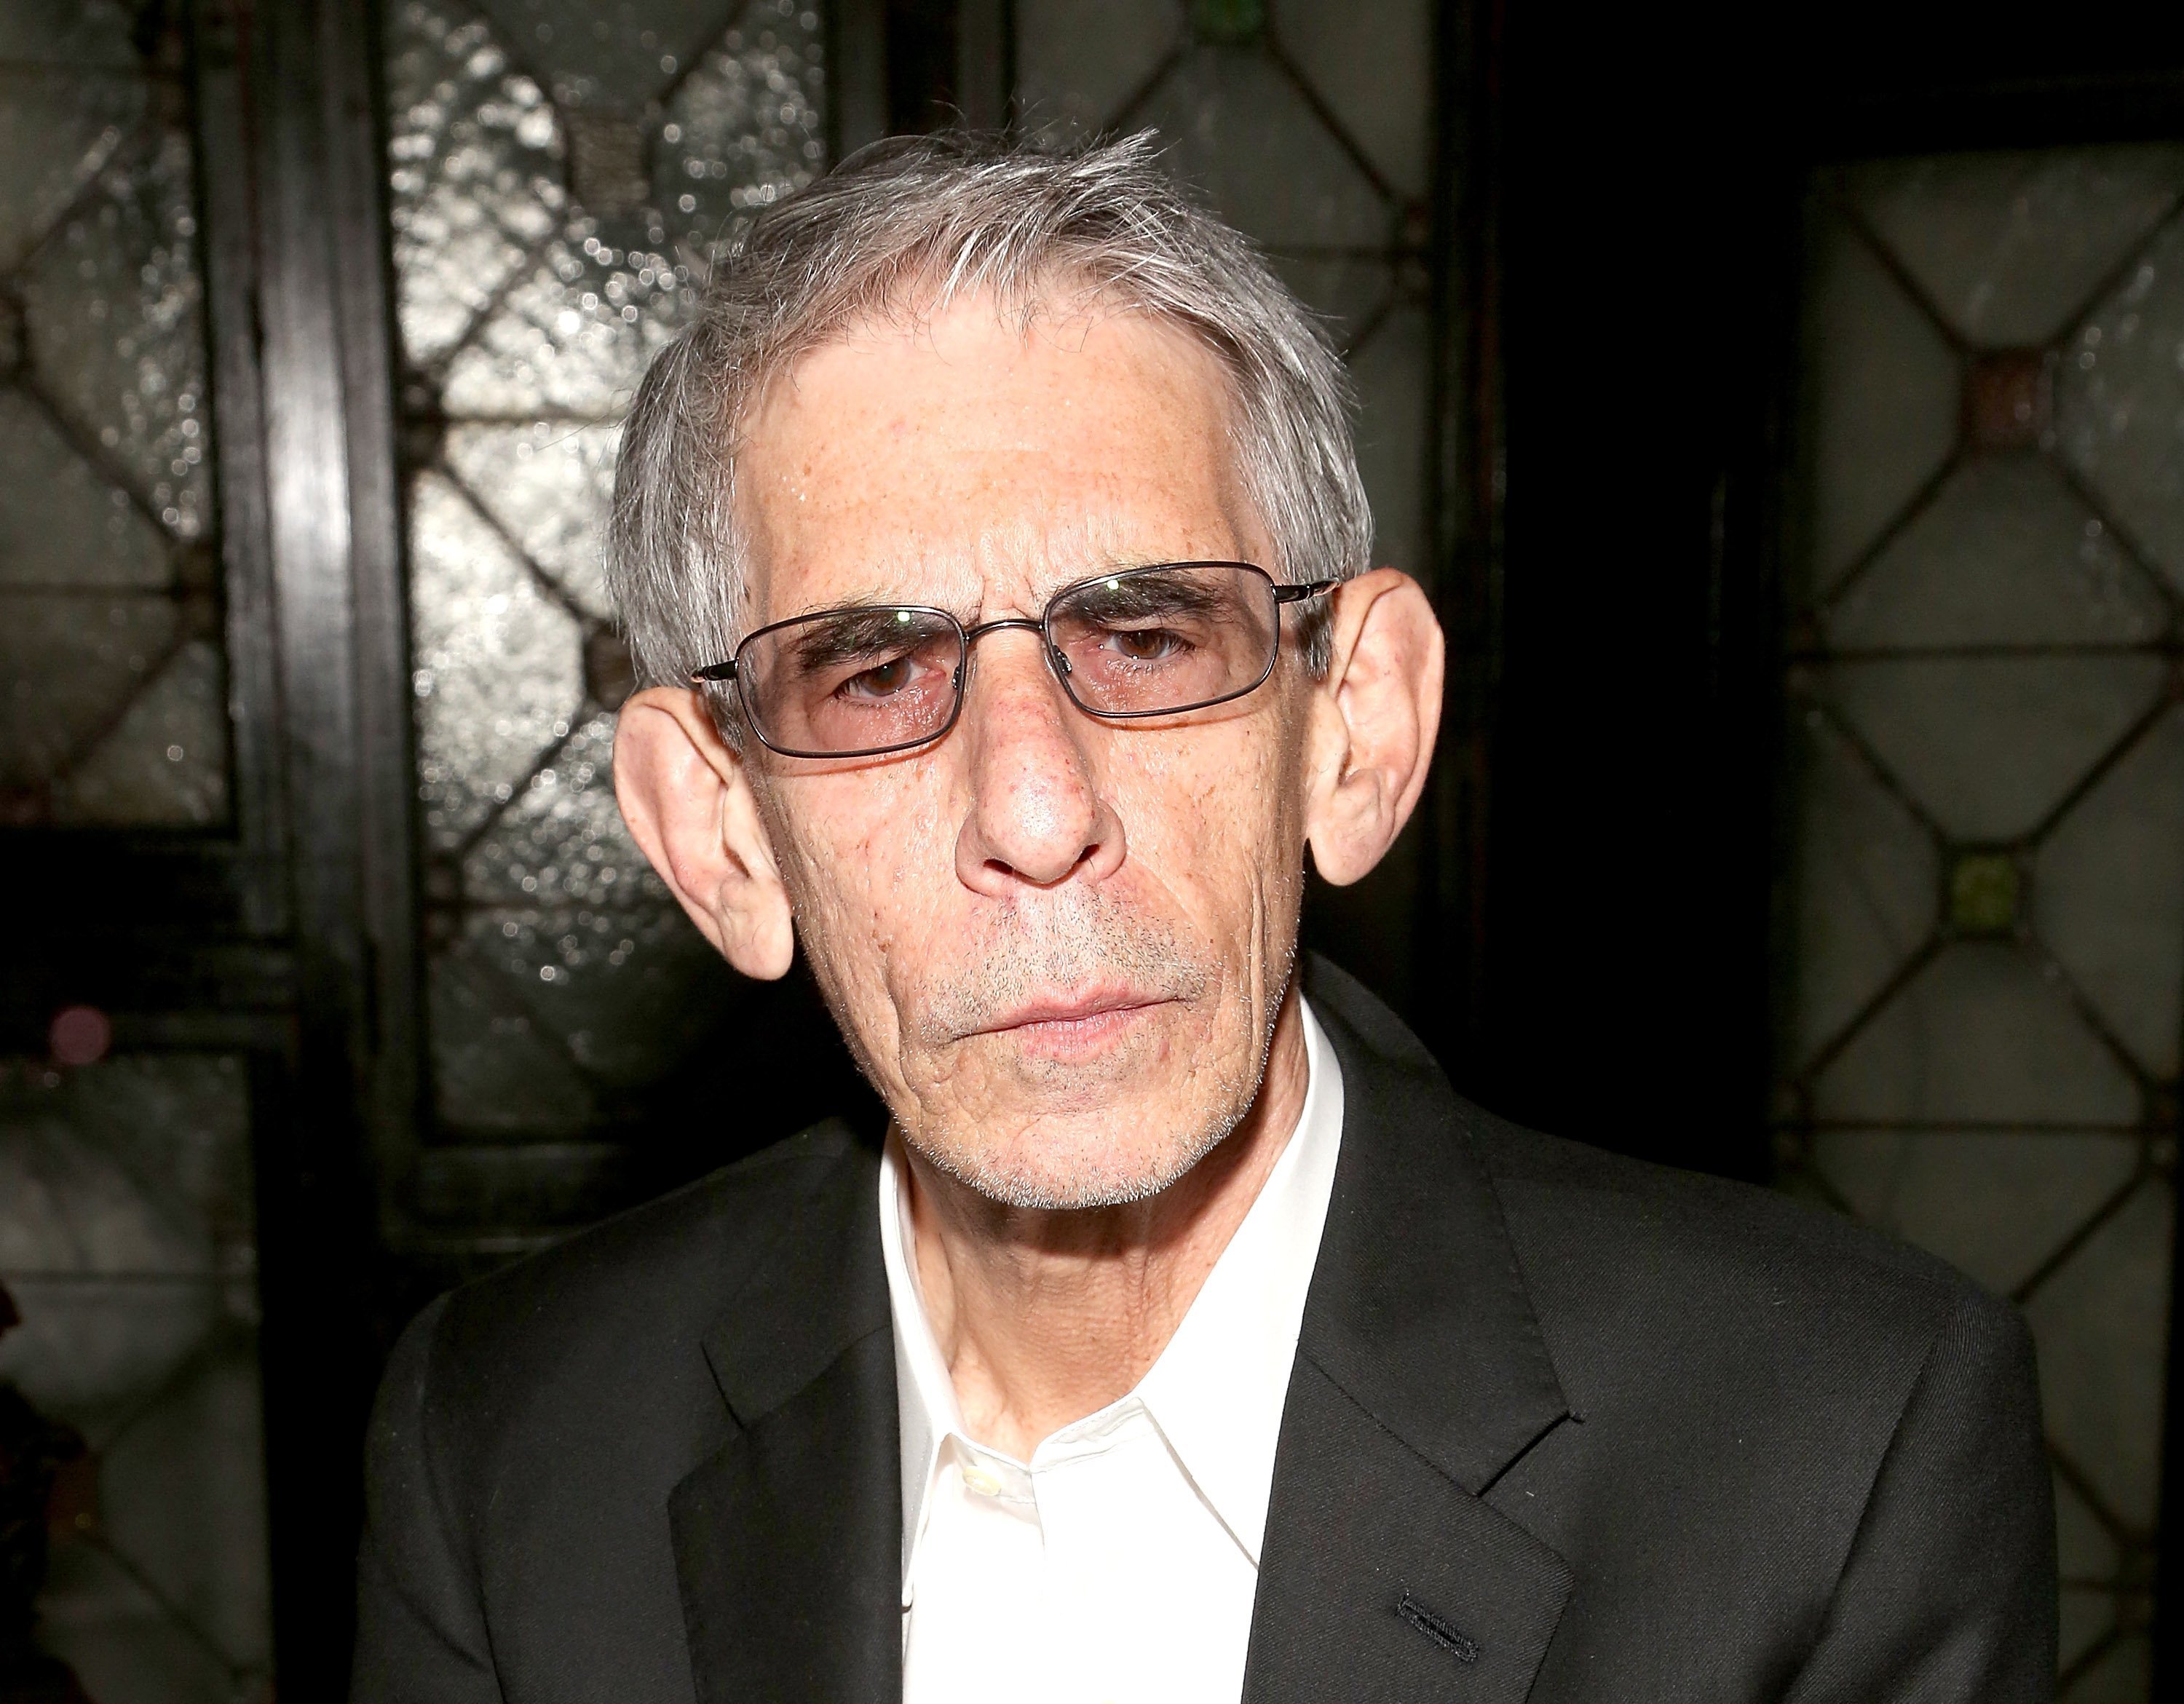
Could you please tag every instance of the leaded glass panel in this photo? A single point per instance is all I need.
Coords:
(1980, 1018)
(114, 708)
(562, 174)
(128, 1247)
(1313, 138)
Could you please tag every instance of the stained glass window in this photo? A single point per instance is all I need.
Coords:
(1310, 128)
(128, 1281)
(114, 708)
(1982, 1013)
(127, 1245)
(562, 176)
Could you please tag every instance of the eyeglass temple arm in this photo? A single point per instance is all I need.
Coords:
(713, 672)
(1311, 588)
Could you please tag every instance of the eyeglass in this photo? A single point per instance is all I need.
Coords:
(1142, 642)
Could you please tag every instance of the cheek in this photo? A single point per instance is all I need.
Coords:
(1218, 824)
(872, 856)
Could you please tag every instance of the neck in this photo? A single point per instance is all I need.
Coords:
(1045, 1316)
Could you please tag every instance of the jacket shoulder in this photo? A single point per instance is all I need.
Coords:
(613, 1308)
(1753, 1293)
(1620, 1227)
(1555, 1180)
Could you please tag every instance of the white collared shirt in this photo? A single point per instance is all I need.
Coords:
(1120, 1562)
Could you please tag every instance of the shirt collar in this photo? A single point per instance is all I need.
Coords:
(1218, 1389)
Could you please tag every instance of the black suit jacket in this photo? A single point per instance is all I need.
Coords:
(1562, 1426)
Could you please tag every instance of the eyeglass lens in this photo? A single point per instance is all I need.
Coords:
(1144, 642)
(853, 681)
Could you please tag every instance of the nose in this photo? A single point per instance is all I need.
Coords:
(1035, 816)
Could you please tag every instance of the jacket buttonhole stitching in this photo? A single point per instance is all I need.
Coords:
(1442, 1632)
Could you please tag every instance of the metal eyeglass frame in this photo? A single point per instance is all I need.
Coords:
(727, 673)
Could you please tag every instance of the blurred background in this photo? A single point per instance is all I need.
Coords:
(1787, 414)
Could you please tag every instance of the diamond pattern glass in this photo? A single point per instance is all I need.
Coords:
(113, 712)
(1881, 385)
(1978, 1041)
(2120, 394)
(127, 1243)
(562, 175)
(2008, 247)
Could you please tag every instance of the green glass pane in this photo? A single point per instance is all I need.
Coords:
(1882, 394)
(2005, 555)
(1987, 893)
(2011, 246)
(1979, 1035)
(112, 321)
(2109, 896)
(2119, 402)
(1231, 23)
(1077, 65)
(1989, 745)
(1865, 881)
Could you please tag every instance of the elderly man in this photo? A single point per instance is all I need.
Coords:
(996, 543)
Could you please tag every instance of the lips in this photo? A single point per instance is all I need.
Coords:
(1081, 1011)
(1076, 1029)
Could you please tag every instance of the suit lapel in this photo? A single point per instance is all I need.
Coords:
(1420, 1376)
(1382, 1579)
(787, 1540)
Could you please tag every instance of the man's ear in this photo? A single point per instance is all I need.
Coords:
(688, 800)
(1374, 718)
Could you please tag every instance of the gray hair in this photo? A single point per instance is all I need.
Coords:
(925, 219)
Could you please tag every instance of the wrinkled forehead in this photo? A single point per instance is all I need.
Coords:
(976, 457)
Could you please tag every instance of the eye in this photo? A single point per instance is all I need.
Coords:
(1147, 644)
(881, 681)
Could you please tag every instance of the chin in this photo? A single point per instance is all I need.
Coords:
(1071, 1170)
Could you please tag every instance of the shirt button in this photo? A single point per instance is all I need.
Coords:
(981, 1480)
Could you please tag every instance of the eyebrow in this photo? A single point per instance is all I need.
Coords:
(843, 635)
(1120, 600)
(1135, 597)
